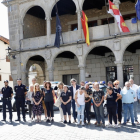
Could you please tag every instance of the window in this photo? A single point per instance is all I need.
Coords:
(7, 59)
(0, 78)
(74, 27)
(92, 23)
(104, 21)
(10, 78)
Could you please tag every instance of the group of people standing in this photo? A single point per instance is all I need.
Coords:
(77, 97)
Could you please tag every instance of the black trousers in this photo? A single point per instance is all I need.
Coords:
(20, 102)
(49, 107)
(119, 110)
(87, 111)
(112, 113)
(30, 110)
(8, 103)
(66, 108)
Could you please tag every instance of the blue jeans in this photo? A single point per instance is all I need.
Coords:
(80, 112)
(94, 111)
(100, 113)
(73, 109)
(126, 108)
(135, 106)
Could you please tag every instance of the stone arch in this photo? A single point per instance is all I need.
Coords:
(130, 41)
(30, 62)
(55, 1)
(28, 7)
(56, 52)
(34, 23)
(95, 46)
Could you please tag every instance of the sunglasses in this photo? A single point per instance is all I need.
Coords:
(116, 84)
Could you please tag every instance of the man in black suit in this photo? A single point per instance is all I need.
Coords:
(73, 90)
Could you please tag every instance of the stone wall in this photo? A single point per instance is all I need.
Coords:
(34, 27)
(95, 66)
(92, 14)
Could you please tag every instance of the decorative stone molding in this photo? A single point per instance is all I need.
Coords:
(79, 50)
(48, 54)
(119, 63)
(82, 67)
(117, 45)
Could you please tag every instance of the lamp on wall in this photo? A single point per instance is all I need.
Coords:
(9, 49)
(111, 57)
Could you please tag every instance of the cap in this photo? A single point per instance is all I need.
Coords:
(19, 79)
(103, 82)
(6, 81)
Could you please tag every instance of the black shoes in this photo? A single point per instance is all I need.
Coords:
(65, 121)
(52, 120)
(24, 119)
(48, 120)
(18, 120)
(69, 122)
(3, 120)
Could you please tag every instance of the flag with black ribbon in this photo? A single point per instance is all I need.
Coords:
(58, 32)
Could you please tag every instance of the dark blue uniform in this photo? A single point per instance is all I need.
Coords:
(7, 92)
(65, 97)
(20, 99)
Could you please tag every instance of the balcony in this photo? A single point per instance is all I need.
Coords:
(96, 33)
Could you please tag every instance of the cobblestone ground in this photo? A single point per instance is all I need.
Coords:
(60, 131)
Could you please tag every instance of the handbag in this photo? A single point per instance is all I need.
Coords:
(28, 102)
(58, 102)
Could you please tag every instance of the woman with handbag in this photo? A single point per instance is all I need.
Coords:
(37, 99)
(29, 102)
(58, 101)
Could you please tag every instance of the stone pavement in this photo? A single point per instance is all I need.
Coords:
(60, 131)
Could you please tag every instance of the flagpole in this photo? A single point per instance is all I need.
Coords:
(58, 15)
(107, 18)
(137, 22)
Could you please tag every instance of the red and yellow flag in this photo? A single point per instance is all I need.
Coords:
(84, 21)
(115, 12)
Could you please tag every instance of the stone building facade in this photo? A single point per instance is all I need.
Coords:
(109, 57)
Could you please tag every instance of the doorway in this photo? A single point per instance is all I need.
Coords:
(67, 78)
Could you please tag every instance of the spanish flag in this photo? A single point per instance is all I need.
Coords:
(84, 21)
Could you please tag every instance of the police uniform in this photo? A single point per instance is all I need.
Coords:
(65, 98)
(87, 106)
(7, 92)
(20, 100)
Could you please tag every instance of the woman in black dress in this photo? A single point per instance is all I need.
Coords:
(117, 89)
(49, 95)
(37, 99)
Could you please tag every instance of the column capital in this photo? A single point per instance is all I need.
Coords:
(78, 11)
(119, 62)
(81, 66)
(48, 18)
(116, 2)
(50, 69)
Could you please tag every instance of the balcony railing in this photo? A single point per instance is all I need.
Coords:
(98, 32)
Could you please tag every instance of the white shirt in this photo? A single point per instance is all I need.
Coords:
(81, 98)
(135, 88)
(74, 91)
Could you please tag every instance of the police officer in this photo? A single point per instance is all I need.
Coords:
(21, 91)
(7, 92)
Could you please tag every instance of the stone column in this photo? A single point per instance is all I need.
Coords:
(24, 78)
(120, 72)
(51, 74)
(82, 73)
(116, 2)
(48, 25)
(79, 19)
